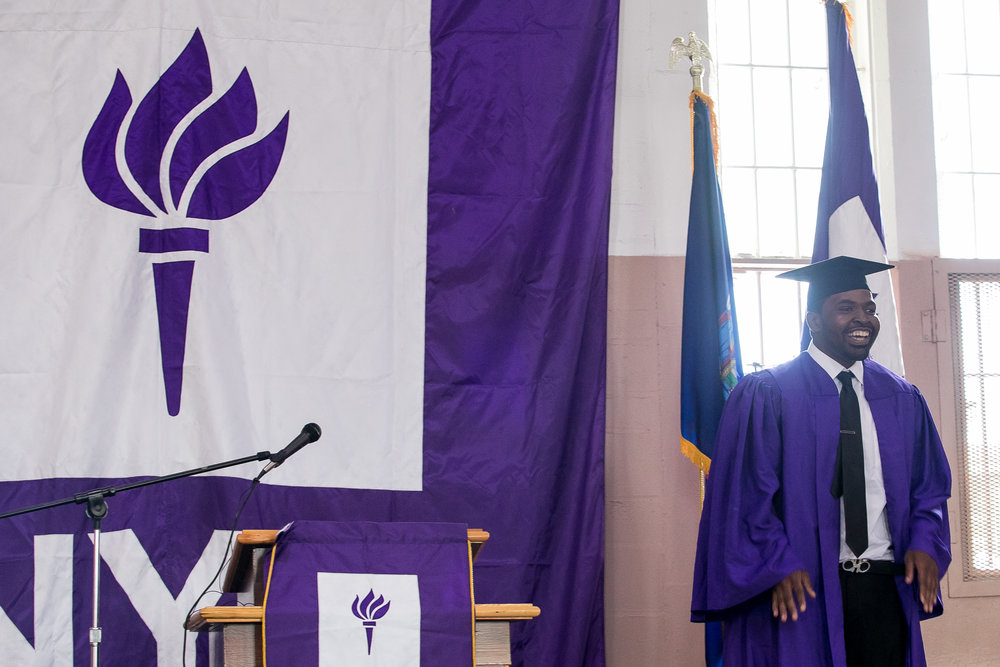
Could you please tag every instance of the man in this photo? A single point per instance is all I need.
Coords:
(825, 528)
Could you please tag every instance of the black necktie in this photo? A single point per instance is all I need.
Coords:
(849, 476)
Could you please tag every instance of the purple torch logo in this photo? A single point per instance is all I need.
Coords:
(175, 166)
(369, 610)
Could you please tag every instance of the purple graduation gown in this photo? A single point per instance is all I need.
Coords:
(769, 511)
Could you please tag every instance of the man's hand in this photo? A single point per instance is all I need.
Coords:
(793, 587)
(926, 570)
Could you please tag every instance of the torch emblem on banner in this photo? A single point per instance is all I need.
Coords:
(177, 164)
(368, 611)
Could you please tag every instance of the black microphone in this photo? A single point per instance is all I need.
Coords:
(310, 433)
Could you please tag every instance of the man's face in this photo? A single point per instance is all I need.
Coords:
(846, 326)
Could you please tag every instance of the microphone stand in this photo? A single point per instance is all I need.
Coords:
(97, 509)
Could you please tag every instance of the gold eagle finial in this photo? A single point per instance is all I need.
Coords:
(696, 50)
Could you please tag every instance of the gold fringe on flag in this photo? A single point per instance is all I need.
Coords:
(849, 21)
(695, 455)
(715, 124)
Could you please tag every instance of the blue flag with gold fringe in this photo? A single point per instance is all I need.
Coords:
(708, 371)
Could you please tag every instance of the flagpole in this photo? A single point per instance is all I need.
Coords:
(695, 50)
(706, 378)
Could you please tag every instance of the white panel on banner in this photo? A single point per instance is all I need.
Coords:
(367, 619)
(308, 305)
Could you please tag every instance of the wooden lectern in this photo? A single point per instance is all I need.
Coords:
(237, 636)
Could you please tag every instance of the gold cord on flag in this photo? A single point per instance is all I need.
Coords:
(695, 455)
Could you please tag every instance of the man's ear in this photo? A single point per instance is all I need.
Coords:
(813, 321)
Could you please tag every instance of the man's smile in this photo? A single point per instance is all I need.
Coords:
(860, 336)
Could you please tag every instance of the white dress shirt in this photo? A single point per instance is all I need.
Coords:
(879, 540)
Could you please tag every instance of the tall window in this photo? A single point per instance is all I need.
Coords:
(966, 64)
(773, 104)
(966, 90)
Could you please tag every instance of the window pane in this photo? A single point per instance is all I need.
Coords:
(747, 298)
(951, 123)
(770, 316)
(782, 319)
(776, 212)
(947, 18)
(811, 106)
(807, 200)
(982, 25)
(955, 213)
(984, 101)
(769, 33)
(807, 35)
(739, 197)
(772, 116)
(735, 117)
(733, 34)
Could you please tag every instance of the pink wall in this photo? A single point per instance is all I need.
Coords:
(652, 489)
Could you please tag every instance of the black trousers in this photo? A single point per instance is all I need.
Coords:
(875, 632)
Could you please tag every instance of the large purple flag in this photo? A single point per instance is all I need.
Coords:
(849, 220)
(389, 218)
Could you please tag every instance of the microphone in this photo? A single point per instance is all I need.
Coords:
(310, 433)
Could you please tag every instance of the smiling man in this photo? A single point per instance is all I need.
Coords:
(825, 528)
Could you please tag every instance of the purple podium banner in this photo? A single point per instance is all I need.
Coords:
(369, 593)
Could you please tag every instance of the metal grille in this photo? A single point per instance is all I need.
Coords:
(975, 313)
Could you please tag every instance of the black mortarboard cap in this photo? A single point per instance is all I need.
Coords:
(833, 276)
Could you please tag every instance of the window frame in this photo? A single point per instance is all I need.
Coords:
(947, 425)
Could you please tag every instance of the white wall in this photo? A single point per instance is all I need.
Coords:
(652, 151)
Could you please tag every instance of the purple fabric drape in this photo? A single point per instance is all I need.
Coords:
(519, 186)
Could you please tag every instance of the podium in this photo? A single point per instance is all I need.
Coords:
(236, 632)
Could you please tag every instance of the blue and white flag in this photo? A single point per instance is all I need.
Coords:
(849, 220)
(225, 220)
